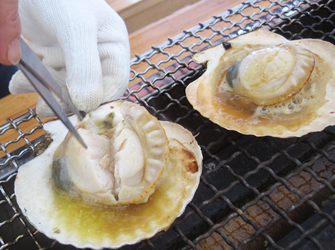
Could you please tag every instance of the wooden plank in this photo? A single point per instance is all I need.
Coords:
(119, 5)
(174, 24)
(12, 106)
(139, 13)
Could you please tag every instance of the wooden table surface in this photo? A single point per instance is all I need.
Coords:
(140, 41)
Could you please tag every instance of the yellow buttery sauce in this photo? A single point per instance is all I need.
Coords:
(95, 223)
(117, 225)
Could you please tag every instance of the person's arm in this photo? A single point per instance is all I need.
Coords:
(10, 31)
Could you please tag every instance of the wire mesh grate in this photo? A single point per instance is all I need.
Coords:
(255, 193)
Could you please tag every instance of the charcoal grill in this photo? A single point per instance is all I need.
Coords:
(255, 193)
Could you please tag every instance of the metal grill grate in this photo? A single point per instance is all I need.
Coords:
(255, 193)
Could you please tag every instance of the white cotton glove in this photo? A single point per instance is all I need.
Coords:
(85, 46)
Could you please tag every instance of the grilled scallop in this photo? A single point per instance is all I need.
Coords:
(136, 176)
(123, 161)
(266, 85)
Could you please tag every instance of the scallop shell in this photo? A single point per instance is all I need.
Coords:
(72, 221)
(306, 109)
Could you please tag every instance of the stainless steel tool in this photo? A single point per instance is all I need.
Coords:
(44, 83)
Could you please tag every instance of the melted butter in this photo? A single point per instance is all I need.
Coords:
(291, 122)
(229, 111)
(241, 117)
(94, 223)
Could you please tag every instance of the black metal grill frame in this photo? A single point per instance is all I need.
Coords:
(255, 193)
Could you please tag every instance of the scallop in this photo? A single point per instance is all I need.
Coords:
(104, 172)
(135, 178)
(265, 85)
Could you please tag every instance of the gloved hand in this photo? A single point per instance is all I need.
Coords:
(85, 46)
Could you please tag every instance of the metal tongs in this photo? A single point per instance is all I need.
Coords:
(41, 79)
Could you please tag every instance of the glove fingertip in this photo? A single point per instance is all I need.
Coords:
(88, 98)
(43, 109)
(19, 84)
(115, 88)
